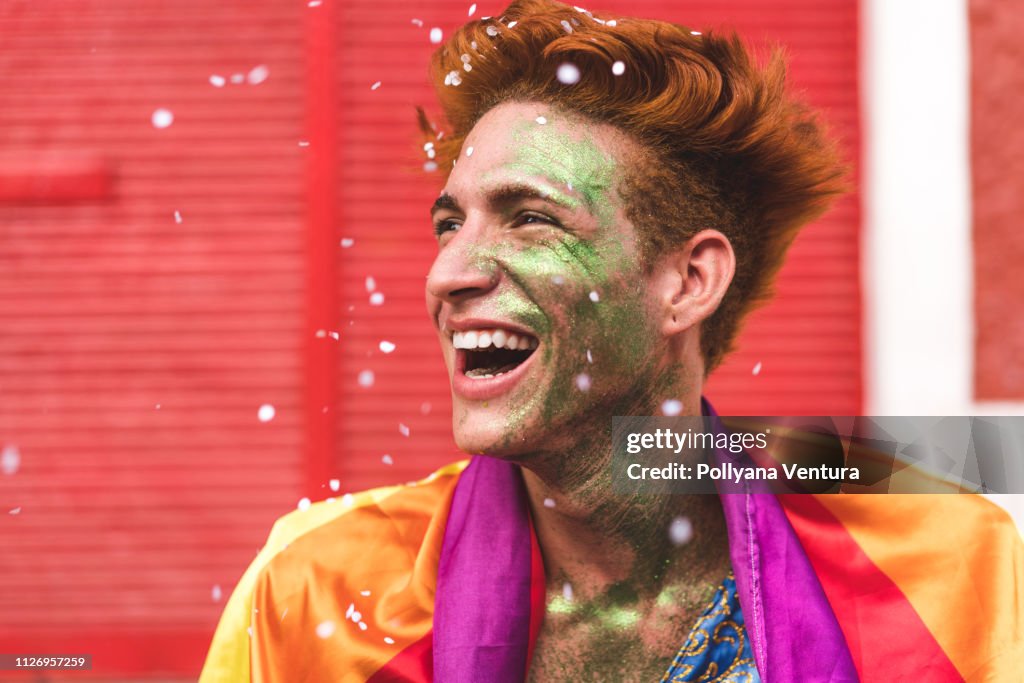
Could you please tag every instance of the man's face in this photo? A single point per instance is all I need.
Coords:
(538, 291)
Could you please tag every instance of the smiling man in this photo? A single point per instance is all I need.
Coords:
(620, 194)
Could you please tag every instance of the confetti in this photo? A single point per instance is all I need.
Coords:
(541, 120)
(467, 67)
(362, 626)
(15, 511)
(387, 460)
(567, 26)
(403, 430)
(512, 23)
(357, 616)
(365, 594)
(417, 22)
(567, 591)
(335, 484)
(375, 85)
(303, 143)
(347, 499)
(347, 242)
(325, 629)
(430, 166)
(386, 346)
(249, 631)
(217, 81)
(472, 10)
(757, 369)
(590, 358)
(492, 31)
(215, 593)
(314, 3)
(162, 118)
(558, 280)
(366, 378)
(619, 68)
(695, 33)
(10, 460)
(258, 74)
(612, 23)
(425, 408)
(595, 297)
(435, 35)
(177, 217)
(672, 407)
(583, 382)
(351, 610)
(266, 412)
(371, 284)
(568, 73)
(376, 299)
(469, 151)
(549, 502)
(389, 640)
(304, 504)
(680, 532)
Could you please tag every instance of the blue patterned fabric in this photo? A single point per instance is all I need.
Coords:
(717, 649)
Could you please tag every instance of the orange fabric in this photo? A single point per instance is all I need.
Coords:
(959, 560)
(367, 559)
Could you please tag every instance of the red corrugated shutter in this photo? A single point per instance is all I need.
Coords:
(806, 346)
(130, 514)
(135, 350)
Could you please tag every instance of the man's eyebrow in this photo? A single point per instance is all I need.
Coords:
(445, 201)
(503, 195)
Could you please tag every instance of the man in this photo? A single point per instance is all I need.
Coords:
(621, 192)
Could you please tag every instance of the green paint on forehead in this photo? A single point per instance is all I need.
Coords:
(567, 159)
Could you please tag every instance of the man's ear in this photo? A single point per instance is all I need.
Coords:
(691, 281)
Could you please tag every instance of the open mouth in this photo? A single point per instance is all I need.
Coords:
(492, 352)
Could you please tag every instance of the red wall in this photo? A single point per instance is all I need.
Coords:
(130, 514)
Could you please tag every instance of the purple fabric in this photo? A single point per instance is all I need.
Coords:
(793, 632)
(482, 603)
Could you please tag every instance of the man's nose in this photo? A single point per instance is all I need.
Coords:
(462, 269)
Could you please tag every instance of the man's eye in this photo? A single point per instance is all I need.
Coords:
(444, 226)
(532, 218)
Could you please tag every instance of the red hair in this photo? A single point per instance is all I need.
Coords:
(726, 146)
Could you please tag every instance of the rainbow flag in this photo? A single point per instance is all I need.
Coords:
(443, 580)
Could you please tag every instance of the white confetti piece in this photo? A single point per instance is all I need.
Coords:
(162, 118)
(568, 73)
(335, 484)
(362, 625)
(695, 33)
(366, 378)
(216, 593)
(217, 81)
(619, 68)
(595, 297)
(258, 74)
(375, 85)
(680, 531)
(541, 120)
(672, 407)
(249, 631)
(417, 22)
(347, 242)
(10, 460)
(325, 629)
(612, 23)
(436, 35)
(304, 504)
(177, 217)
(567, 591)
(403, 429)
(590, 357)
(365, 594)
(157, 407)
(351, 610)
(472, 10)
(757, 369)
(266, 412)
(567, 26)
(549, 502)
(387, 459)
(512, 24)
(303, 143)
(348, 499)
(430, 167)
(15, 511)
(386, 346)
(389, 640)
(371, 284)
(492, 31)
(376, 299)
(469, 151)
(356, 616)
(314, 3)
(558, 280)
(583, 382)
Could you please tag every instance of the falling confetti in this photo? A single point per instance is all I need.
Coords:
(590, 357)
(217, 81)
(389, 640)
(403, 429)
(541, 120)
(177, 217)
(472, 10)
(376, 299)
(435, 35)
(335, 484)
(371, 284)
(362, 625)
(430, 166)
(366, 378)
(595, 297)
(757, 369)
(303, 143)
(375, 85)
(583, 381)
(314, 3)
(266, 412)
(387, 459)
(258, 74)
(619, 68)
(162, 118)
(347, 242)
(249, 631)
(10, 460)
(567, 591)
(680, 532)
(347, 499)
(417, 22)
(15, 511)
(549, 502)
(568, 73)
(325, 629)
(695, 33)
(304, 504)
(215, 593)
(672, 407)
(387, 347)
(365, 594)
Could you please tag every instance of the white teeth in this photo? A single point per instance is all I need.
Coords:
(500, 339)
